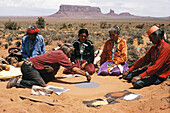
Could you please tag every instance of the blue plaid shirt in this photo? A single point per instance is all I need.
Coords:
(31, 49)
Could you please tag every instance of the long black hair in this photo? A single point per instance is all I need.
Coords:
(83, 31)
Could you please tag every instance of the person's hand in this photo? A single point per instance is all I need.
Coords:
(83, 65)
(134, 79)
(124, 74)
(88, 78)
(48, 68)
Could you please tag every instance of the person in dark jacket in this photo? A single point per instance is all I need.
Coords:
(83, 55)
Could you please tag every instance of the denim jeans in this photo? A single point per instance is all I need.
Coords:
(150, 80)
(31, 77)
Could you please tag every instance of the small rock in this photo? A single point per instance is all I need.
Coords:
(11, 99)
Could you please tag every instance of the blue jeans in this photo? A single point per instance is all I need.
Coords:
(150, 80)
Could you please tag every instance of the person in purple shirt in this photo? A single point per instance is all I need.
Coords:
(42, 69)
(32, 44)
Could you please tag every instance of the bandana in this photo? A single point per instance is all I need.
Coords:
(32, 29)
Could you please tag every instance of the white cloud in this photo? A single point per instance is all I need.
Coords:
(47, 7)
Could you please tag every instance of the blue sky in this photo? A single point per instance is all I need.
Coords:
(155, 8)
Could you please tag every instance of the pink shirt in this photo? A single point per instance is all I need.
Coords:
(53, 59)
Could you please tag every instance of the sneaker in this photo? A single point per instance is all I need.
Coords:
(12, 82)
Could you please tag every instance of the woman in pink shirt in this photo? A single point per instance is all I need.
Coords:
(42, 69)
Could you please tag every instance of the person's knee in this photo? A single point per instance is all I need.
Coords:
(103, 73)
(91, 72)
(128, 77)
(40, 83)
(139, 84)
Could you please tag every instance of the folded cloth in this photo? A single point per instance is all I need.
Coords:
(100, 102)
(118, 94)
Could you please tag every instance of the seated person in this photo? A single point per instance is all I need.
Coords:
(114, 55)
(83, 55)
(32, 44)
(158, 56)
(42, 69)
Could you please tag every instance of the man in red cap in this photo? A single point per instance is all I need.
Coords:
(158, 56)
(32, 44)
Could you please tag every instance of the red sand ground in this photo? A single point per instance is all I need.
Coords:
(156, 98)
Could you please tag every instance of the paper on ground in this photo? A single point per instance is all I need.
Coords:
(72, 76)
(38, 90)
(132, 97)
(57, 90)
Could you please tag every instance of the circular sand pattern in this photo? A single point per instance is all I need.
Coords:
(87, 85)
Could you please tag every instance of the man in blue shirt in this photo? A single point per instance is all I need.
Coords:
(32, 44)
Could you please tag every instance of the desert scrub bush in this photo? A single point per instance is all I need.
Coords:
(82, 25)
(140, 40)
(140, 26)
(6, 46)
(103, 25)
(133, 55)
(48, 41)
(9, 38)
(40, 22)
(18, 43)
(130, 41)
(70, 25)
(21, 32)
(98, 44)
(10, 43)
(64, 26)
(11, 25)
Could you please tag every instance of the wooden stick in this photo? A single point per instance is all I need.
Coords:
(43, 101)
